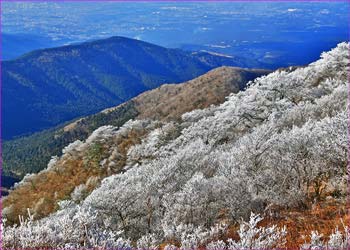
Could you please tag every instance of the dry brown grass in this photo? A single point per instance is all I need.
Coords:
(324, 216)
(43, 192)
(170, 101)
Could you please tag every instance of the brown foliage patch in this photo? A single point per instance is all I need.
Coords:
(44, 190)
(323, 216)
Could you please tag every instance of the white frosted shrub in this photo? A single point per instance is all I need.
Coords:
(254, 237)
(216, 245)
(79, 193)
(147, 242)
(170, 247)
(72, 147)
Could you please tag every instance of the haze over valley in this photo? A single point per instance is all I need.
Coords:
(268, 33)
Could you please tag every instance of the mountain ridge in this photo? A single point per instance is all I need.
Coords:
(46, 87)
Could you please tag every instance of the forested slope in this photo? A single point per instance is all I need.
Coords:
(281, 142)
(30, 154)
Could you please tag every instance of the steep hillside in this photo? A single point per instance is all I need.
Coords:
(168, 102)
(279, 147)
(47, 87)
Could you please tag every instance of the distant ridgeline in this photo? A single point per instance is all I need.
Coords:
(47, 87)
